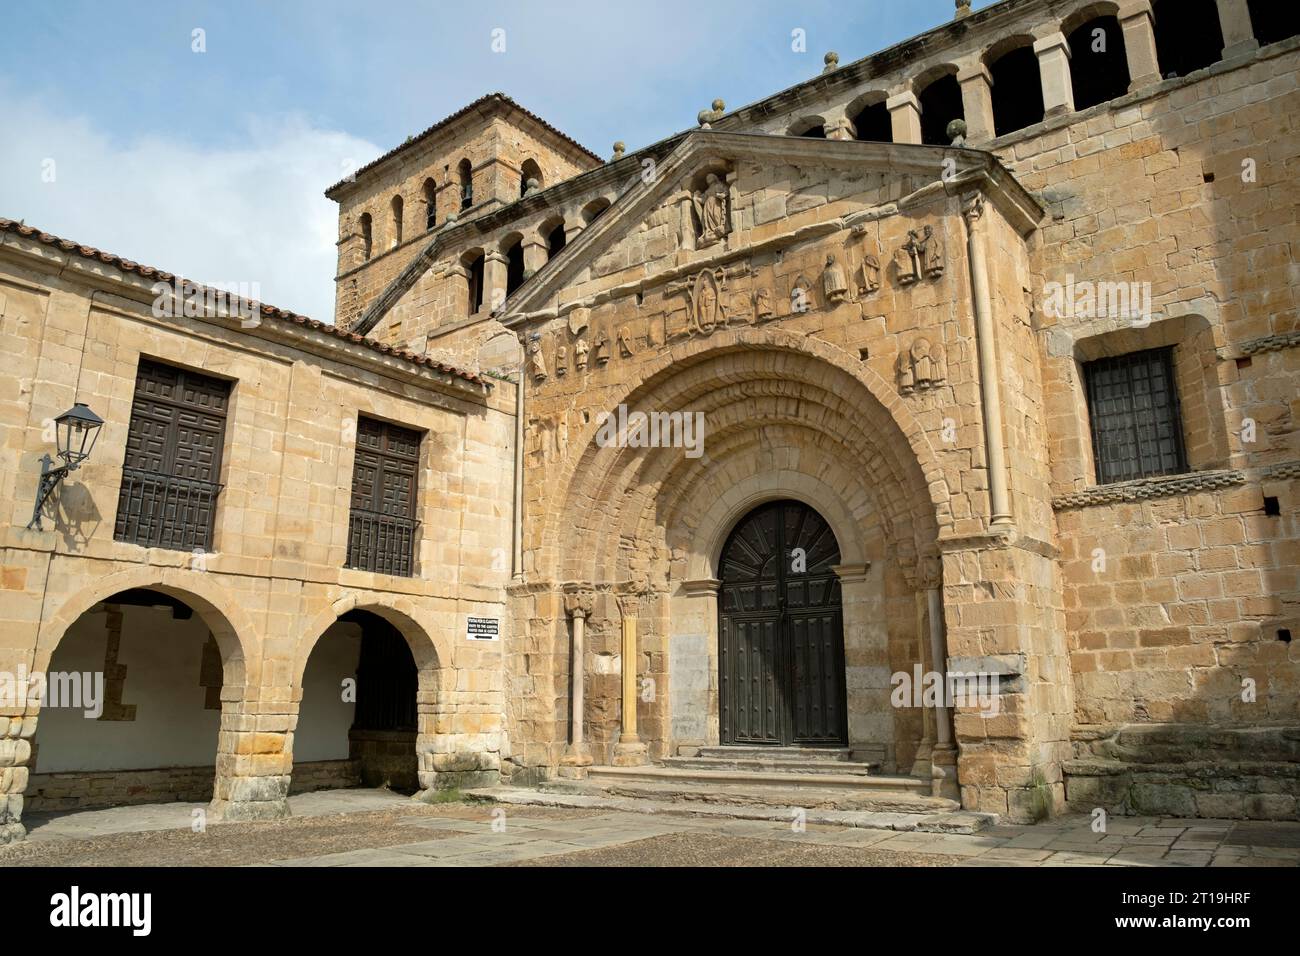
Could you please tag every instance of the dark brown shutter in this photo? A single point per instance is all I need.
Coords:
(173, 458)
(381, 529)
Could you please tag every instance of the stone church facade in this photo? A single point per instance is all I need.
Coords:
(975, 356)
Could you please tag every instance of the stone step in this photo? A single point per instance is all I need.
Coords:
(810, 754)
(777, 765)
(916, 814)
(780, 779)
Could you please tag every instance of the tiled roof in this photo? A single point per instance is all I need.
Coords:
(267, 311)
(499, 97)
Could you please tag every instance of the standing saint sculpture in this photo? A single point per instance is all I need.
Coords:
(711, 210)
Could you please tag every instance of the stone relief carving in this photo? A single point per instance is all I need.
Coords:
(580, 351)
(921, 367)
(704, 302)
(834, 284)
(626, 347)
(602, 347)
(869, 275)
(801, 296)
(548, 439)
(578, 319)
(921, 256)
(562, 360)
(536, 361)
(711, 211)
(763, 304)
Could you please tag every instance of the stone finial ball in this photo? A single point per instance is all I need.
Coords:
(719, 106)
(620, 148)
(831, 59)
(702, 116)
(957, 129)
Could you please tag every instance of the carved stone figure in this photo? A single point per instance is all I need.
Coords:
(562, 436)
(711, 210)
(921, 367)
(869, 275)
(705, 303)
(536, 360)
(580, 355)
(625, 347)
(931, 253)
(834, 284)
(904, 262)
(561, 360)
(602, 348)
(762, 304)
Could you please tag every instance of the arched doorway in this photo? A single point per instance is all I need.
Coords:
(781, 631)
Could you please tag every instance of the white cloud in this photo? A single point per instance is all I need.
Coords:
(252, 212)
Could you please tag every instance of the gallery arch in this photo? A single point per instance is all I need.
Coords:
(136, 684)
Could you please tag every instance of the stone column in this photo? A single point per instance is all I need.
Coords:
(1054, 70)
(629, 751)
(905, 117)
(1238, 32)
(577, 755)
(536, 255)
(16, 733)
(990, 383)
(254, 759)
(977, 102)
(943, 756)
(494, 279)
(1135, 19)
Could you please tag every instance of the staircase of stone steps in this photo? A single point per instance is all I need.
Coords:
(824, 779)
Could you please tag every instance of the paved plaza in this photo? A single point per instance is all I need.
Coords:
(379, 828)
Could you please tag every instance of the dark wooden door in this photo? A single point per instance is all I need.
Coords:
(780, 631)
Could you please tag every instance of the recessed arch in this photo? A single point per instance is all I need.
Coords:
(530, 171)
(1017, 84)
(939, 95)
(870, 118)
(1099, 61)
(812, 127)
(593, 209)
(1188, 35)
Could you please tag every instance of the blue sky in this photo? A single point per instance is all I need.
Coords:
(212, 164)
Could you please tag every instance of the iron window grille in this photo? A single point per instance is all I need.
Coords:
(1136, 423)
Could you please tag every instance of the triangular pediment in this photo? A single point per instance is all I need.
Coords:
(670, 202)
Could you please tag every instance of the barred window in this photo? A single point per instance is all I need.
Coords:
(170, 473)
(382, 525)
(1137, 430)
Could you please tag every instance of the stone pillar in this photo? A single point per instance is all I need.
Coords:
(629, 751)
(905, 117)
(1054, 71)
(536, 255)
(1135, 19)
(577, 755)
(943, 756)
(254, 759)
(985, 341)
(977, 102)
(1238, 32)
(495, 266)
(16, 733)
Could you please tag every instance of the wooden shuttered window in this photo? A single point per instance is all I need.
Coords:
(1137, 429)
(170, 474)
(382, 525)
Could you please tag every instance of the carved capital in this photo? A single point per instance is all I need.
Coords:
(579, 602)
(972, 208)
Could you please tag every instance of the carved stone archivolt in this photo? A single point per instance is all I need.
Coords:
(923, 366)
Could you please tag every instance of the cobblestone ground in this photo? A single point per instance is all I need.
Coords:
(373, 828)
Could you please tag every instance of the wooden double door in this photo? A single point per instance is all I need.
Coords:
(781, 631)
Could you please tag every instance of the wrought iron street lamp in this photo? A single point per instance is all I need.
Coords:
(75, 432)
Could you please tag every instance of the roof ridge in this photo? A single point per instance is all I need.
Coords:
(269, 311)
